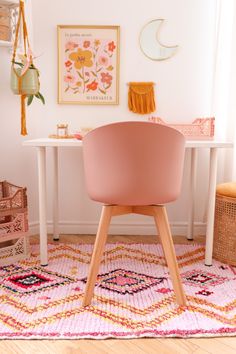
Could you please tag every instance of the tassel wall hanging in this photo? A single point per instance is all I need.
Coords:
(141, 97)
(24, 75)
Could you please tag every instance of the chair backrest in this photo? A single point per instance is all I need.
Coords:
(133, 163)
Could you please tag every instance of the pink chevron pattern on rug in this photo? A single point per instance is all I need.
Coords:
(133, 297)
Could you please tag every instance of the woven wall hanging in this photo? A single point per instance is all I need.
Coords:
(141, 97)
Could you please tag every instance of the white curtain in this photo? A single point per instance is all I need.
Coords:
(224, 83)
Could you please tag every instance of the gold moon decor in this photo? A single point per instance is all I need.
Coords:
(150, 43)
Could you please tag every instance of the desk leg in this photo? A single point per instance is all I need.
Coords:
(211, 206)
(55, 195)
(41, 150)
(193, 169)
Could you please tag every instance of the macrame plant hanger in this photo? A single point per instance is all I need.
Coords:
(20, 74)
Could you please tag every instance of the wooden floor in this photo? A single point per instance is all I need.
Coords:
(126, 346)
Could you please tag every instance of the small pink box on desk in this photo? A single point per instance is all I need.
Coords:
(199, 129)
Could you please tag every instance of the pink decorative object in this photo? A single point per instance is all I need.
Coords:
(12, 198)
(16, 225)
(199, 129)
(78, 136)
(14, 244)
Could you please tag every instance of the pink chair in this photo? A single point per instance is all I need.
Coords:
(134, 167)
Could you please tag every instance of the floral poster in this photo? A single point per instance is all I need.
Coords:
(88, 64)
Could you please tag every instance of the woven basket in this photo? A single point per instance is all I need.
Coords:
(199, 129)
(4, 33)
(14, 238)
(5, 29)
(224, 248)
(14, 250)
(13, 199)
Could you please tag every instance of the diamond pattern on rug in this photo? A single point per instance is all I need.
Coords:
(28, 280)
(133, 298)
(201, 278)
(33, 280)
(126, 282)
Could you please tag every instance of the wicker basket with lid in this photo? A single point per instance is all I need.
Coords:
(224, 248)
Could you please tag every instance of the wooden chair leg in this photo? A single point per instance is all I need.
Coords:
(97, 253)
(162, 224)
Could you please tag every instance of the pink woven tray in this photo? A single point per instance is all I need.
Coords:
(16, 227)
(199, 129)
(12, 198)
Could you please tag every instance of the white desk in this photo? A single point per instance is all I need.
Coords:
(42, 144)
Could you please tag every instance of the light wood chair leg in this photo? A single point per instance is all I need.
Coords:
(162, 224)
(97, 253)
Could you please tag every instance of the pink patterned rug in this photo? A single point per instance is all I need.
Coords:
(133, 297)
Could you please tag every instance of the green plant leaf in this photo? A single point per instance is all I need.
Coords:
(94, 73)
(40, 97)
(32, 66)
(30, 99)
(18, 63)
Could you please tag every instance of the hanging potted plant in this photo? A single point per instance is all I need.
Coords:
(24, 74)
(25, 79)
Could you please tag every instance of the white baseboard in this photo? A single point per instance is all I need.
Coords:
(74, 227)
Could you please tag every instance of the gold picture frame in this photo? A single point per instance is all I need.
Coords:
(88, 64)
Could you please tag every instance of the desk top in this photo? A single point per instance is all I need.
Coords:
(53, 142)
(47, 142)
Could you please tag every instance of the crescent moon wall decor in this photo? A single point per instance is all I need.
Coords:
(150, 43)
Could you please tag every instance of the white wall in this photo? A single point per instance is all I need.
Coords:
(183, 92)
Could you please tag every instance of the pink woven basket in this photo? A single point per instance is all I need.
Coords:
(15, 227)
(13, 199)
(14, 240)
(199, 129)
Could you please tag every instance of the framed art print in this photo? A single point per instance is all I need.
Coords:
(88, 64)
